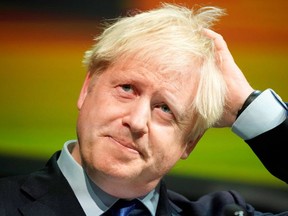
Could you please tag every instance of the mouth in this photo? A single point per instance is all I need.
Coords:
(127, 145)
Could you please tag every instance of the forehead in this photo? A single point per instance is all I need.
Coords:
(162, 75)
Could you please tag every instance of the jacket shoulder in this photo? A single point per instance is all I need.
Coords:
(210, 204)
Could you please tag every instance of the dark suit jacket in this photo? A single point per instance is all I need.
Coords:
(46, 192)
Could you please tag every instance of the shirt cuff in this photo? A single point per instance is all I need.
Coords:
(264, 113)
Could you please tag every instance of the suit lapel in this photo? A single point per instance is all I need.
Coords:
(166, 207)
(36, 209)
(50, 193)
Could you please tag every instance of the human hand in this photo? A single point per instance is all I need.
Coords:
(238, 88)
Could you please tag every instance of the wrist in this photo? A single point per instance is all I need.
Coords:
(248, 101)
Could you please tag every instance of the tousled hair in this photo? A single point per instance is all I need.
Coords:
(173, 35)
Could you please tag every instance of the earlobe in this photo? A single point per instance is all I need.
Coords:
(84, 91)
(189, 147)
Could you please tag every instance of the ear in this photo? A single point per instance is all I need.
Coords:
(84, 91)
(190, 146)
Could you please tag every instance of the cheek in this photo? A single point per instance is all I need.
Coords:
(168, 147)
(96, 109)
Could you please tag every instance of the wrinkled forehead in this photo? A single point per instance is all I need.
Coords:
(170, 67)
(179, 82)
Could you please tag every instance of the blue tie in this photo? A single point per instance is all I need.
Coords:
(123, 207)
(126, 207)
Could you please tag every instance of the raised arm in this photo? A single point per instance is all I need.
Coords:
(263, 124)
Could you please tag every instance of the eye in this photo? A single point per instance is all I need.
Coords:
(164, 113)
(126, 87)
(126, 91)
(165, 108)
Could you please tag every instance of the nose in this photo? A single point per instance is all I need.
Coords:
(137, 117)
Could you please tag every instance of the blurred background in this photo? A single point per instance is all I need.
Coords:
(42, 43)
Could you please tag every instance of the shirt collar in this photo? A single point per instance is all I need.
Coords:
(92, 199)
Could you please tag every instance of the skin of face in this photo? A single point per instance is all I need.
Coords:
(130, 126)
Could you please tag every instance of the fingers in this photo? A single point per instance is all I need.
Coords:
(222, 53)
(219, 42)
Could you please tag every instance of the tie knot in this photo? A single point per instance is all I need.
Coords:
(125, 207)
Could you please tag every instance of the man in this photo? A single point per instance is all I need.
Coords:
(156, 82)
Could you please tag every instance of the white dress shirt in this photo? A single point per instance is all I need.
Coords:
(264, 113)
